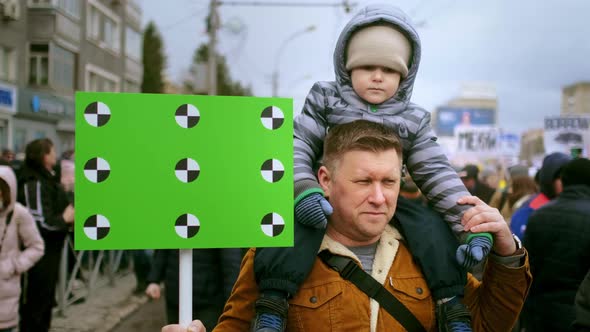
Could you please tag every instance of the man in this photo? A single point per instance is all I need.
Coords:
(469, 175)
(558, 239)
(361, 178)
(550, 187)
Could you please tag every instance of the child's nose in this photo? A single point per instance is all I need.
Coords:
(378, 75)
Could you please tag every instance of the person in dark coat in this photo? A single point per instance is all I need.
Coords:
(469, 175)
(558, 241)
(214, 274)
(42, 194)
(550, 186)
(582, 323)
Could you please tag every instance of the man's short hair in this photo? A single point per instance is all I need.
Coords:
(359, 135)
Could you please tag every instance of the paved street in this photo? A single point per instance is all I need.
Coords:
(148, 317)
(107, 307)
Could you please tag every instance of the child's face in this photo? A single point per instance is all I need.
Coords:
(375, 84)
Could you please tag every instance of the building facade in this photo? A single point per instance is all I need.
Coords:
(53, 48)
(575, 98)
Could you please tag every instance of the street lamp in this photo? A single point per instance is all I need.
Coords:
(275, 73)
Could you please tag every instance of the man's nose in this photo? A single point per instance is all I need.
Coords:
(377, 195)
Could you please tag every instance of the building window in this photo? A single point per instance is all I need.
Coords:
(39, 64)
(19, 139)
(100, 80)
(40, 3)
(132, 44)
(131, 86)
(7, 64)
(103, 26)
(63, 69)
(39, 134)
(71, 7)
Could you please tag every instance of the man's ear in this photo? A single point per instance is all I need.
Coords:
(324, 178)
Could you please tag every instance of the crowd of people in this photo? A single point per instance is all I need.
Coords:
(35, 215)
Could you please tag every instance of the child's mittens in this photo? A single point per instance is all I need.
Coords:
(313, 210)
(475, 250)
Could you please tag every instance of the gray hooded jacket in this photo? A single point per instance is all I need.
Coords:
(332, 103)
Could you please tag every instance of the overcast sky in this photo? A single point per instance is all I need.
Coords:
(528, 49)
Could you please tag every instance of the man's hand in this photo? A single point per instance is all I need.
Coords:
(153, 291)
(312, 211)
(195, 326)
(68, 214)
(483, 218)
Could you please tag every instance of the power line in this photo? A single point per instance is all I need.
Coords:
(287, 4)
(184, 19)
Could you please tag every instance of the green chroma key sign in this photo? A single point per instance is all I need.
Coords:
(183, 171)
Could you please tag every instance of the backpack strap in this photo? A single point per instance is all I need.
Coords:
(349, 270)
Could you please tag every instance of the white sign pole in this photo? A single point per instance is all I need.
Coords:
(185, 287)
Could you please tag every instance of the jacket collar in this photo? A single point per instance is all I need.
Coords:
(384, 256)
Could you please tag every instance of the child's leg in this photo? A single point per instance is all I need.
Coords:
(433, 246)
(280, 271)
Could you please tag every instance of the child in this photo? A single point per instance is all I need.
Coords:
(376, 61)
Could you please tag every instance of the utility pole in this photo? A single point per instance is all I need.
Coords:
(212, 57)
(214, 25)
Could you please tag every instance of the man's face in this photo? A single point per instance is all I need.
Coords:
(469, 183)
(363, 189)
(375, 84)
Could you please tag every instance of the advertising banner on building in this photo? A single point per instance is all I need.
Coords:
(568, 134)
(447, 118)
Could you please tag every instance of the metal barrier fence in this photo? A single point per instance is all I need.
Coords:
(92, 269)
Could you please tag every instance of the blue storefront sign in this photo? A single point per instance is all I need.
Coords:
(46, 105)
(7, 98)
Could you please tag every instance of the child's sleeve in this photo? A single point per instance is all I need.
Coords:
(432, 172)
(309, 133)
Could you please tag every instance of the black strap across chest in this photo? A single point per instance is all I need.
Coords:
(349, 270)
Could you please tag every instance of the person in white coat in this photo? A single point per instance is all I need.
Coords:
(21, 246)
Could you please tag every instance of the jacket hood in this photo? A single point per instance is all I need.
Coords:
(7, 174)
(549, 171)
(378, 13)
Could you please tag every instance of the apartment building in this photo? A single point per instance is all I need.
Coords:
(575, 99)
(49, 49)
